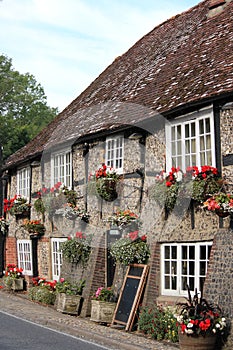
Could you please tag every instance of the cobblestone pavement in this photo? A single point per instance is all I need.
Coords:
(17, 304)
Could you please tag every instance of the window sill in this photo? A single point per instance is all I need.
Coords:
(169, 300)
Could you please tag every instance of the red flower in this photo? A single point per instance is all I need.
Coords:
(79, 234)
(143, 238)
(133, 235)
(168, 183)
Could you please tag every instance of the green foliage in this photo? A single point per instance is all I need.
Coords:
(127, 251)
(104, 294)
(70, 288)
(77, 250)
(159, 323)
(23, 107)
(43, 294)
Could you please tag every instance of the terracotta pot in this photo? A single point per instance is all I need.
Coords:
(102, 311)
(197, 342)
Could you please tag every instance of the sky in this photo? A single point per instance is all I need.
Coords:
(66, 44)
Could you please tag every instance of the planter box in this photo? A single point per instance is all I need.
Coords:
(193, 342)
(17, 284)
(69, 304)
(102, 311)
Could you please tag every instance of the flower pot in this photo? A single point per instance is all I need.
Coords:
(106, 188)
(17, 284)
(222, 214)
(102, 311)
(69, 304)
(197, 342)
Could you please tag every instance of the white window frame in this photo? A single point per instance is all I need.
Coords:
(23, 182)
(56, 257)
(61, 170)
(185, 121)
(114, 152)
(24, 252)
(171, 268)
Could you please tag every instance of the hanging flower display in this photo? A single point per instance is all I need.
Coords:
(17, 205)
(196, 184)
(106, 179)
(131, 249)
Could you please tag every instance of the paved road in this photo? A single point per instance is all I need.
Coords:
(19, 334)
(107, 337)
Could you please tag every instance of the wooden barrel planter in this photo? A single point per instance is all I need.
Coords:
(197, 342)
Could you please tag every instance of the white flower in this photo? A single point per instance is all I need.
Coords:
(189, 325)
(189, 331)
(179, 176)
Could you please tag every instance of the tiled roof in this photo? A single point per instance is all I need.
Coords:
(187, 59)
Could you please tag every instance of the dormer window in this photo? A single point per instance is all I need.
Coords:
(114, 152)
(23, 182)
(62, 168)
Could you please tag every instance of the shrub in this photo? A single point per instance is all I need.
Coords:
(159, 323)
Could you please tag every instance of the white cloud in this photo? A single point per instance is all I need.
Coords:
(66, 44)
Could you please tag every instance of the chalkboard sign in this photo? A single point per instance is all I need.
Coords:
(130, 295)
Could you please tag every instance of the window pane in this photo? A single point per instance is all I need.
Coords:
(167, 267)
(192, 252)
(193, 130)
(174, 283)
(202, 143)
(184, 252)
(201, 127)
(167, 282)
(167, 252)
(202, 252)
(191, 268)
(186, 130)
(174, 252)
(207, 125)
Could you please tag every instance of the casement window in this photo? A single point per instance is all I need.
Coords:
(184, 264)
(190, 140)
(114, 152)
(57, 257)
(24, 249)
(62, 168)
(23, 182)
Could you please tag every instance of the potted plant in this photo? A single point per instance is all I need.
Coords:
(77, 249)
(131, 249)
(221, 204)
(72, 212)
(103, 305)
(4, 224)
(124, 218)
(69, 296)
(105, 180)
(13, 277)
(17, 206)
(34, 227)
(195, 184)
(200, 322)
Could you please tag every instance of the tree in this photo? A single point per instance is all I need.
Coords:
(23, 108)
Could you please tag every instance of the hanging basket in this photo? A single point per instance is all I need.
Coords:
(222, 214)
(106, 189)
(197, 342)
